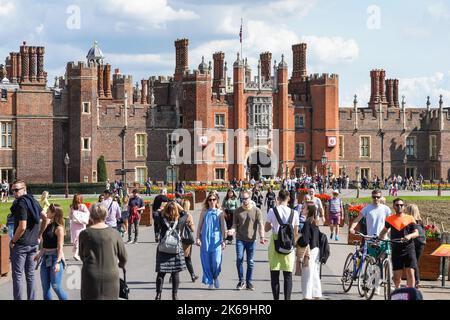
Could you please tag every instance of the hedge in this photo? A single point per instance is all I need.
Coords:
(60, 188)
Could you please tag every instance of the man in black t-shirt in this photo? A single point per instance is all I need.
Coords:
(404, 227)
(26, 214)
(135, 208)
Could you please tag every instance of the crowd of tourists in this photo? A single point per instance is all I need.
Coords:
(295, 245)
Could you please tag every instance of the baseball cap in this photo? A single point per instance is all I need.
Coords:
(335, 192)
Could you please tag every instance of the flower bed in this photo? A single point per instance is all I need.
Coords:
(435, 186)
(353, 213)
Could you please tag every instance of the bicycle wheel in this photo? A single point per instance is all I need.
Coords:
(371, 277)
(387, 279)
(361, 288)
(347, 273)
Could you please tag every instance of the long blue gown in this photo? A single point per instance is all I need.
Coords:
(211, 248)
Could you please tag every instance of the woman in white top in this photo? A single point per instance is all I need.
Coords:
(279, 261)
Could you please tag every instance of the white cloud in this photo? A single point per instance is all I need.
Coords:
(363, 97)
(439, 11)
(154, 13)
(332, 50)
(117, 58)
(278, 39)
(417, 89)
(6, 7)
(40, 29)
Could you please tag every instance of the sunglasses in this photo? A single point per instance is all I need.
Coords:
(376, 197)
(245, 199)
(16, 190)
(399, 205)
(212, 199)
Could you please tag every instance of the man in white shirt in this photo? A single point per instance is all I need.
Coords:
(114, 211)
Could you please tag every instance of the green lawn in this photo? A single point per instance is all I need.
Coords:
(65, 203)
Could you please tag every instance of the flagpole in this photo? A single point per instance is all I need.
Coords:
(242, 36)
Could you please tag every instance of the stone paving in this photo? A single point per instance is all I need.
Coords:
(141, 275)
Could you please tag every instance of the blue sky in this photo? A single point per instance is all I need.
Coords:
(409, 39)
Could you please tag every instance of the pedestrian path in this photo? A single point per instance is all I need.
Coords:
(141, 276)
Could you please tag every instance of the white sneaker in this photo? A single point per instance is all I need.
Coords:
(76, 257)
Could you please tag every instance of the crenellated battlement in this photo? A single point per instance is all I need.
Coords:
(324, 78)
(112, 115)
(196, 75)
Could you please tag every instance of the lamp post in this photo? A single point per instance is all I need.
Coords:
(405, 161)
(66, 162)
(324, 163)
(440, 176)
(172, 164)
(357, 181)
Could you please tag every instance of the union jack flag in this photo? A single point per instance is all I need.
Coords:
(240, 33)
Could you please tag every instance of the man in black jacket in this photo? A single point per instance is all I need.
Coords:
(156, 210)
(26, 214)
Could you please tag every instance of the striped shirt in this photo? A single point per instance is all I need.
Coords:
(335, 205)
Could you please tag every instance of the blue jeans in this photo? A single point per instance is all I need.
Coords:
(50, 279)
(250, 247)
(22, 262)
(10, 231)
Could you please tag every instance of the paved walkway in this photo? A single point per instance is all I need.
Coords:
(141, 275)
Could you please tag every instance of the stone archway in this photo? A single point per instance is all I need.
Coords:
(259, 164)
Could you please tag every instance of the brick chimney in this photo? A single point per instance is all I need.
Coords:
(395, 93)
(299, 72)
(374, 87)
(219, 74)
(390, 92)
(181, 58)
(266, 66)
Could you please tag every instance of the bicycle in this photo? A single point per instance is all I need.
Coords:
(353, 268)
(377, 271)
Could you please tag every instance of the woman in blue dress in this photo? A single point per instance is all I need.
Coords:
(211, 239)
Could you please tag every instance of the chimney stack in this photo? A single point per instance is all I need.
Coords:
(181, 58)
(266, 66)
(219, 74)
(299, 72)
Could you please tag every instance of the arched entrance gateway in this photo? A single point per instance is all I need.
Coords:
(259, 164)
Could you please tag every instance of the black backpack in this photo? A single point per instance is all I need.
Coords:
(324, 248)
(285, 241)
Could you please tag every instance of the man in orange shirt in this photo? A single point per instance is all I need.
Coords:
(404, 227)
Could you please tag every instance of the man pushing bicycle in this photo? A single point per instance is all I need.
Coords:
(404, 227)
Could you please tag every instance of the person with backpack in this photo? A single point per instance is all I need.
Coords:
(114, 211)
(310, 239)
(169, 253)
(283, 221)
(335, 212)
(211, 233)
(420, 241)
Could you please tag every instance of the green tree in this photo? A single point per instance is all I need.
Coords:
(101, 169)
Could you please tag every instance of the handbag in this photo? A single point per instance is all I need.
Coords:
(81, 217)
(187, 236)
(123, 288)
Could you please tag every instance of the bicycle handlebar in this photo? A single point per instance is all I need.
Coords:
(375, 238)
